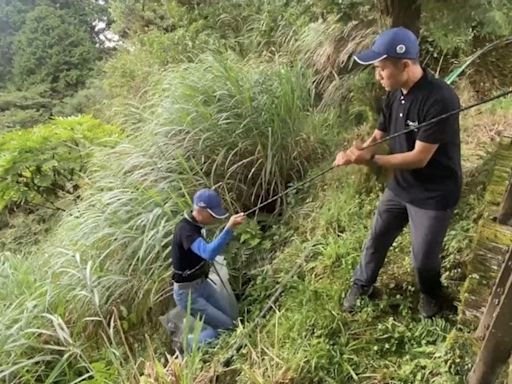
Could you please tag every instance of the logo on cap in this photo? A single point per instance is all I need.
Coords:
(400, 48)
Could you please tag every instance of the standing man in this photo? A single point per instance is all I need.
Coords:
(427, 175)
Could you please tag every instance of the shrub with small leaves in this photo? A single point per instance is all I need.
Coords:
(39, 164)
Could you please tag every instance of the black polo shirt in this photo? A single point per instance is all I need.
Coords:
(183, 258)
(437, 186)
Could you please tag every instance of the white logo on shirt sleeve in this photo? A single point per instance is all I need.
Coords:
(412, 124)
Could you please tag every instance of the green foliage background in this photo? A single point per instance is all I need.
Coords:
(249, 97)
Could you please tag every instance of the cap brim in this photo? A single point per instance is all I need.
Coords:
(369, 57)
(219, 213)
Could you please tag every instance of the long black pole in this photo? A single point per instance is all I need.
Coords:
(277, 294)
(419, 126)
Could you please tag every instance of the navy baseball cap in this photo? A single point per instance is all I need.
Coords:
(399, 43)
(210, 200)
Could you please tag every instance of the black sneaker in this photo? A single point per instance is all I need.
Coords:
(428, 306)
(357, 291)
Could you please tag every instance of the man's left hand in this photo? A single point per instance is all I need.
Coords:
(358, 155)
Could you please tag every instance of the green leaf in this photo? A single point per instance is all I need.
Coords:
(41, 151)
(452, 76)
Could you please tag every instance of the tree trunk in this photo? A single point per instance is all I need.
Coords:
(403, 13)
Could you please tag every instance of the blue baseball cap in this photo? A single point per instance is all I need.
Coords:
(210, 200)
(399, 43)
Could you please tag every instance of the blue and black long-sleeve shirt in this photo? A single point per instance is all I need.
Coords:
(191, 252)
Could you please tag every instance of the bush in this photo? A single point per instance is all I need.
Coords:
(250, 127)
(476, 19)
(85, 101)
(21, 118)
(23, 109)
(40, 164)
(129, 73)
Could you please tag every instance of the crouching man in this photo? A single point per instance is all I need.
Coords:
(191, 257)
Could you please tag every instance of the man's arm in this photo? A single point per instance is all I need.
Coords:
(342, 158)
(427, 140)
(210, 251)
(417, 158)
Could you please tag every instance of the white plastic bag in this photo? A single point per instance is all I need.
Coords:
(219, 275)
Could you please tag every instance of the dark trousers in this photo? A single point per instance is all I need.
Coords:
(428, 229)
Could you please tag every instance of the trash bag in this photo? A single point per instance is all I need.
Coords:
(219, 275)
(177, 322)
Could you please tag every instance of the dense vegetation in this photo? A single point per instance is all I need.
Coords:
(246, 96)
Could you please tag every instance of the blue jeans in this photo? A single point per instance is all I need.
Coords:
(206, 304)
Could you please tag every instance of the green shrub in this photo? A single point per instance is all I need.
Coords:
(24, 109)
(476, 19)
(251, 128)
(37, 165)
(21, 118)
